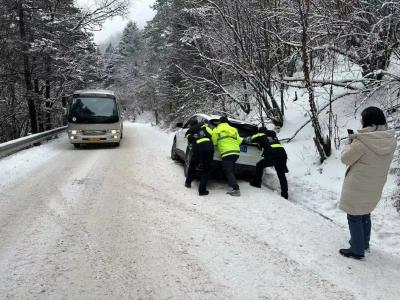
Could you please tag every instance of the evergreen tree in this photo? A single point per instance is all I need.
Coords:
(46, 51)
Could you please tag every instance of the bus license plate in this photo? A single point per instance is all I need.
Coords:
(95, 140)
(243, 148)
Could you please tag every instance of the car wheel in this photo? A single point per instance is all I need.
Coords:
(174, 156)
(77, 146)
(188, 157)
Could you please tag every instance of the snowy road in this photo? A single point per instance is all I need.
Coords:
(117, 223)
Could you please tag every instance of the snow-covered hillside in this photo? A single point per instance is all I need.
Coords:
(317, 186)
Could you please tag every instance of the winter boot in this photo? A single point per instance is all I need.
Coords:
(203, 193)
(188, 185)
(234, 193)
(348, 253)
(285, 195)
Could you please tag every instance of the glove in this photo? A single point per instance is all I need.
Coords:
(247, 140)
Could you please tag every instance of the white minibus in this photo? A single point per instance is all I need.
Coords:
(94, 117)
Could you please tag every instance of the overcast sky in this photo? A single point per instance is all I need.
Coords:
(140, 12)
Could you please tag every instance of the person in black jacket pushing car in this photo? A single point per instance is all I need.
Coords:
(199, 136)
(274, 154)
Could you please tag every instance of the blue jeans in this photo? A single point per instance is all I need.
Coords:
(360, 232)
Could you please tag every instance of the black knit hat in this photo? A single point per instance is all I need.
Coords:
(193, 122)
(263, 129)
(223, 119)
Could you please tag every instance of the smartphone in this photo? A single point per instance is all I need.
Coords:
(350, 131)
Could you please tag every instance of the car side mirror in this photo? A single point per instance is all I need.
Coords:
(180, 125)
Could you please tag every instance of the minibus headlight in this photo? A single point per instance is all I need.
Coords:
(114, 131)
(74, 132)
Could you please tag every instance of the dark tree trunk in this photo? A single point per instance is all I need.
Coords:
(15, 133)
(48, 87)
(47, 97)
(27, 71)
(39, 112)
(322, 147)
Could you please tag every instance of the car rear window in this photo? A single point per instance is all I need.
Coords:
(244, 130)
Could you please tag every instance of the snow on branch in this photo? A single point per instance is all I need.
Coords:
(93, 18)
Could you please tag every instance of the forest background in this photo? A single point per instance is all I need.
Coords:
(241, 58)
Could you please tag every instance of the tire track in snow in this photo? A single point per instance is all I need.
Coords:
(288, 279)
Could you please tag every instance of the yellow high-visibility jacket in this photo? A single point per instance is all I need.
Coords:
(227, 140)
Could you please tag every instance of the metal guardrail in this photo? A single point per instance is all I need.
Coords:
(13, 146)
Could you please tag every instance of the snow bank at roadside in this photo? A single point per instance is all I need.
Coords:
(147, 117)
(16, 166)
(316, 186)
(273, 234)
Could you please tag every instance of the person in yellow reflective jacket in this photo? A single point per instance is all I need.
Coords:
(227, 141)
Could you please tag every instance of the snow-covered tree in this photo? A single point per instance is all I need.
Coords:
(47, 52)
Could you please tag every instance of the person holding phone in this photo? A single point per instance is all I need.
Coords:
(367, 156)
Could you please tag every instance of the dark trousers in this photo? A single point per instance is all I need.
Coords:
(360, 232)
(228, 166)
(205, 158)
(280, 168)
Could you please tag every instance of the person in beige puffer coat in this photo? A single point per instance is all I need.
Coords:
(367, 156)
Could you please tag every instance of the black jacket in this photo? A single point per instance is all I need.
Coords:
(197, 136)
(269, 142)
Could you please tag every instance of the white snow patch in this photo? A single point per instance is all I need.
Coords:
(20, 164)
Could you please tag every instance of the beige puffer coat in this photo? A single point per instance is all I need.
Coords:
(368, 159)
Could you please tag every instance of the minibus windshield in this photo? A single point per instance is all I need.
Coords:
(93, 110)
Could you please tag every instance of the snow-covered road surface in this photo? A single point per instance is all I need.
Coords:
(117, 223)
